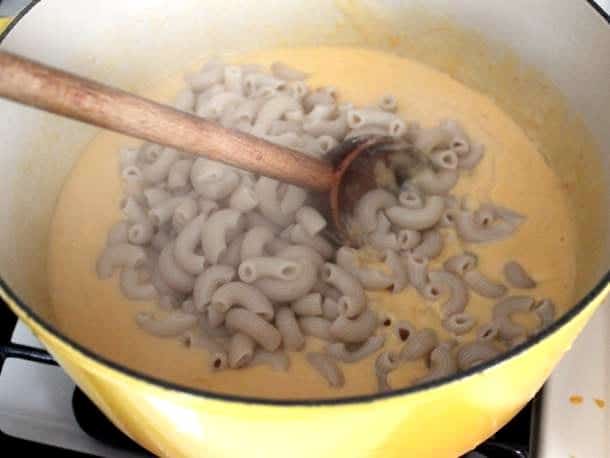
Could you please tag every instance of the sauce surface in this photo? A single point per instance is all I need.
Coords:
(512, 174)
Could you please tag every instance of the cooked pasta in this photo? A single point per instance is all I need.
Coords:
(118, 233)
(388, 103)
(211, 73)
(459, 323)
(134, 187)
(186, 243)
(437, 182)
(488, 332)
(134, 287)
(458, 140)
(471, 159)
(218, 358)
(485, 225)
(215, 317)
(442, 364)
(179, 175)
(149, 152)
(327, 368)
(330, 308)
(367, 131)
(184, 213)
(117, 256)
(310, 305)
(233, 79)
(266, 190)
(385, 363)
(168, 301)
(252, 269)
(354, 330)
(232, 255)
(317, 97)
(369, 205)
(219, 189)
(517, 276)
(241, 294)
(128, 157)
(316, 326)
(164, 212)
(156, 279)
(371, 279)
(272, 110)
(159, 169)
(464, 265)
(417, 270)
(251, 324)
(419, 344)
(208, 282)
(482, 285)
(140, 233)
(341, 352)
(293, 199)
(255, 241)
(399, 271)
(310, 220)
(206, 327)
(172, 325)
(188, 306)
(207, 207)
(287, 325)
(298, 235)
(290, 290)
(417, 218)
(362, 117)
(502, 312)
(353, 300)
(410, 196)
(133, 211)
(335, 128)
(172, 274)
(241, 350)
(216, 230)
(431, 244)
(545, 310)
(444, 159)
(460, 264)
(408, 239)
(243, 198)
(458, 293)
(474, 353)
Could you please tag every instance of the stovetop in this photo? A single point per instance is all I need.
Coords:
(41, 411)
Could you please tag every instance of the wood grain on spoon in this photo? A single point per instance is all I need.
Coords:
(59, 92)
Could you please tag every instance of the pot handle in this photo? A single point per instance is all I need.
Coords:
(37, 355)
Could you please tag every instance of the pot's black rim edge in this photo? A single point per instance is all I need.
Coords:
(566, 318)
(600, 10)
(17, 18)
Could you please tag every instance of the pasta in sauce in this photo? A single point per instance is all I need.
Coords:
(171, 197)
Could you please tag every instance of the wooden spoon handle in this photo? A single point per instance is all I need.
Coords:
(59, 92)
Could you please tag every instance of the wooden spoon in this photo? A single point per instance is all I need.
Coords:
(56, 91)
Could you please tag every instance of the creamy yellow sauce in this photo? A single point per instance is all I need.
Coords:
(512, 174)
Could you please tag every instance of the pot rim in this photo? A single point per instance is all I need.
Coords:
(580, 306)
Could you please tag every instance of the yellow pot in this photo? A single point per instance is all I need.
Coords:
(534, 53)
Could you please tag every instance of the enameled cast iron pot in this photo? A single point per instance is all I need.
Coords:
(546, 63)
